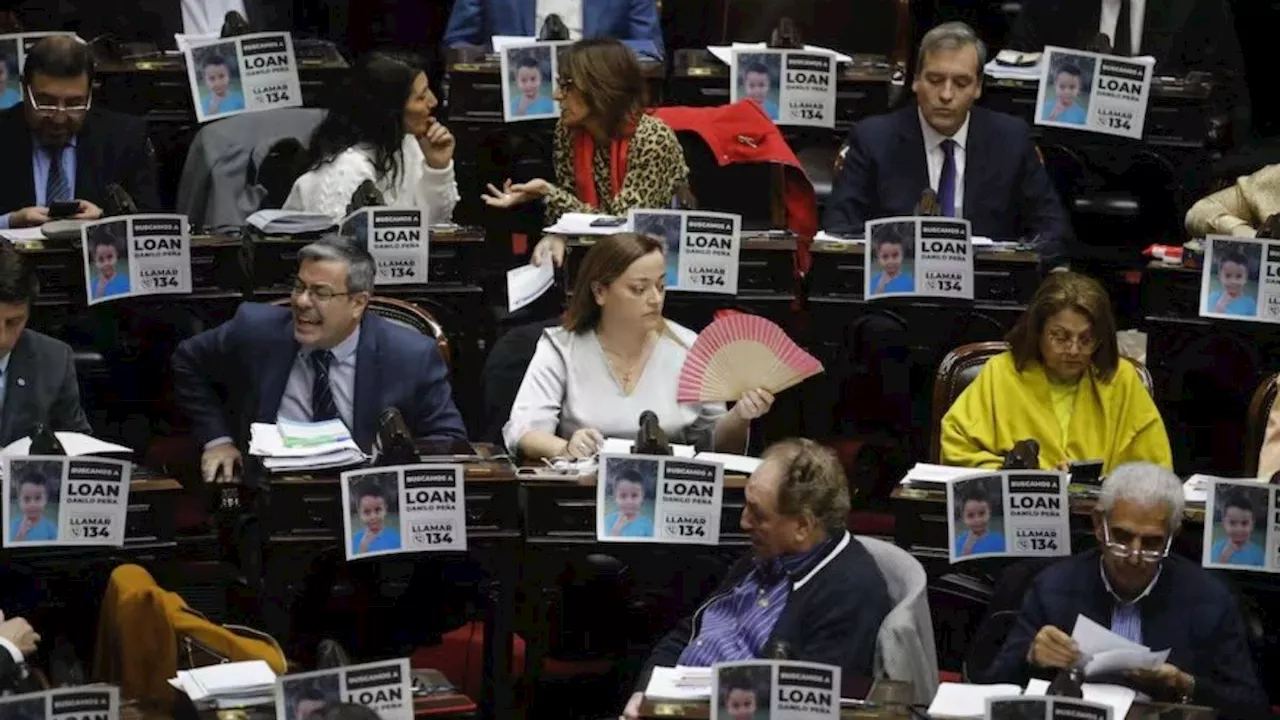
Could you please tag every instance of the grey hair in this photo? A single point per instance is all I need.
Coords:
(360, 266)
(1145, 484)
(951, 36)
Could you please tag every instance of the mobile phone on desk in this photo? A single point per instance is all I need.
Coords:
(61, 210)
(609, 221)
(1085, 472)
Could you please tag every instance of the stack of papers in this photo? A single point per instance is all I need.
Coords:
(928, 476)
(298, 448)
(618, 446)
(961, 700)
(679, 683)
(1107, 653)
(581, 224)
(744, 464)
(230, 685)
(290, 222)
(74, 443)
(1196, 488)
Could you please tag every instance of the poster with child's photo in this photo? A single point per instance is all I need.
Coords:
(758, 78)
(108, 259)
(891, 254)
(1068, 89)
(10, 80)
(976, 516)
(218, 84)
(528, 79)
(666, 228)
(33, 500)
(629, 489)
(742, 692)
(306, 696)
(373, 513)
(1235, 528)
(1229, 284)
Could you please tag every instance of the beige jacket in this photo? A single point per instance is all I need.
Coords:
(1239, 209)
(1269, 456)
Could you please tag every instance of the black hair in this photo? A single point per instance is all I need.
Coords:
(1233, 256)
(731, 681)
(1070, 69)
(370, 112)
(33, 475)
(18, 284)
(211, 60)
(631, 476)
(757, 67)
(369, 487)
(1237, 500)
(529, 61)
(105, 237)
(889, 234)
(974, 492)
(59, 56)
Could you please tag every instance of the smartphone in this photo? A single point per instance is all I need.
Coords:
(609, 222)
(60, 210)
(1086, 472)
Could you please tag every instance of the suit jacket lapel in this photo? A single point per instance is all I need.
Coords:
(86, 161)
(1161, 22)
(974, 147)
(21, 160)
(21, 364)
(914, 162)
(274, 369)
(528, 14)
(364, 403)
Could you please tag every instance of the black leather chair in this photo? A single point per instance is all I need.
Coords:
(407, 314)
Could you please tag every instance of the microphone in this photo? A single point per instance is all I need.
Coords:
(786, 35)
(367, 195)
(44, 442)
(1025, 455)
(1069, 682)
(1270, 228)
(1099, 43)
(650, 439)
(928, 205)
(394, 443)
(777, 650)
(234, 24)
(119, 201)
(553, 28)
(1275, 479)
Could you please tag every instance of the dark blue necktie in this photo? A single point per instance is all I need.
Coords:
(322, 405)
(947, 182)
(56, 189)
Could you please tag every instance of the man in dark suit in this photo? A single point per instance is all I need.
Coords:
(635, 22)
(154, 21)
(323, 358)
(1133, 586)
(62, 149)
(983, 165)
(1182, 35)
(37, 373)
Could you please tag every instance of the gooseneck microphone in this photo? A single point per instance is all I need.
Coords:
(366, 195)
(650, 438)
(1025, 455)
(234, 24)
(928, 205)
(119, 201)
(394, 444)
(553, 28)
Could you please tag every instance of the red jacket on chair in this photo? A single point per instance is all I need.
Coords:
(742, 133)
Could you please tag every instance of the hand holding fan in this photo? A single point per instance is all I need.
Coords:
(739, 353)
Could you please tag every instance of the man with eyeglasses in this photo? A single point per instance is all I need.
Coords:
(60, 149)
(325, 357)
(1135, 587)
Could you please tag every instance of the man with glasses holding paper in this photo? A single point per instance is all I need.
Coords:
(1133, 586)
(62, 152)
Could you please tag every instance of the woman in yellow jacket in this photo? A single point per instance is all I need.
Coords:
(1062, 383)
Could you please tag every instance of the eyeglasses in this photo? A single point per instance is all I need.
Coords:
(1125, 551)
(50, 109)
(319, 293)
(1062, 342)
(564, 83)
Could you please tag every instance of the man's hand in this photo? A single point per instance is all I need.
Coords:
(632, 711)
(29, 217)
(1166, 677)
(88, 211)
(218, 463)
(19, 632)
(1053, 648)
(549, 246)
(437, 145)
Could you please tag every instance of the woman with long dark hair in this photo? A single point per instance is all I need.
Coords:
(381, 130)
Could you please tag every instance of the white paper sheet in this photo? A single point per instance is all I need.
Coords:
(732, 463)
(580, 224)
(623, 447)
(528, 283)
(1116, 697)
(675, 684)
(724, 53)
(963, 700)
(1109, 652)
(74, 443)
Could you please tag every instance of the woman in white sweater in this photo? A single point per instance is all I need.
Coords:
(382, 131)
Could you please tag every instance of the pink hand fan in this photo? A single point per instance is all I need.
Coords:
(739, 353)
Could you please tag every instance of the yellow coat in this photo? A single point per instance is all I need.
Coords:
(1115, 421)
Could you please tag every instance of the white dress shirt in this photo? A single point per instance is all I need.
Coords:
(295, 404)
(1111, 16)
(205, 17)
(934, 157)
(568, 386)
(328, 188)
(570, 12)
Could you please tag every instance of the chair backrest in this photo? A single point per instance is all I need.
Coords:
(905, 649)
(504, 370)
(1264, 399)
(407, 314)
(961, 366)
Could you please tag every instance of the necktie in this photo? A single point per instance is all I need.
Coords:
(56, 189)
(322, 405)
(1122, 43)
(947, 181)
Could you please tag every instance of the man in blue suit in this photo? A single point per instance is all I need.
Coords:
(1133, 586)
(983, 165)
(323, 358)
(635, 22)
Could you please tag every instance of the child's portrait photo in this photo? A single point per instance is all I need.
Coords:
(979, 516)
(742, 693)
(1239, 526)
(218, 79)
(107, 259)
(666, 228)
(893, 252)
(630, 489)
(1067, 95)
(10, 79)
(375, 512)
(34, 490)
(760, 80)
(305, 696)
(530, 81)
(1233, 288)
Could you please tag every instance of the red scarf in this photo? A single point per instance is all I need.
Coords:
(584, 151)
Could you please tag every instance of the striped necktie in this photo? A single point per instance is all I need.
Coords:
(322, 405)
(57, 189)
